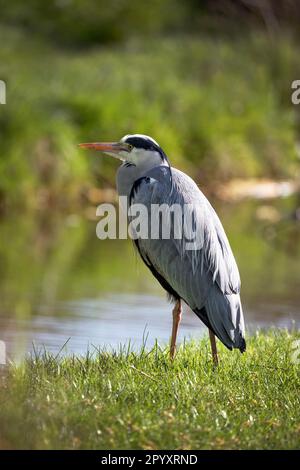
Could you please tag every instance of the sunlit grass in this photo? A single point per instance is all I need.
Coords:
(142, 400)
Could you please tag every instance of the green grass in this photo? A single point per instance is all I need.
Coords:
(142, 400)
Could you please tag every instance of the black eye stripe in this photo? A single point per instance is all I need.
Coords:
(141, 143)
(146, 144)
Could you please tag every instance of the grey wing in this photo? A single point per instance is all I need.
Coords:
(206, 277)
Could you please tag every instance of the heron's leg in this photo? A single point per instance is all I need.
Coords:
(213, 347)
(177, 312)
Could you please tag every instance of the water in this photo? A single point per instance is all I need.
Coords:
(59, 283)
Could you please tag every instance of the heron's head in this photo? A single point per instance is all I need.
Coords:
(137, 149)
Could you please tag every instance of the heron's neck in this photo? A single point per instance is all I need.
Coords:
(146, 165)
(128, 173)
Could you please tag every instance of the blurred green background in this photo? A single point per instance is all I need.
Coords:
(210, 81)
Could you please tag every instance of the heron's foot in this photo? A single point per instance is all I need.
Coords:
(177, 313)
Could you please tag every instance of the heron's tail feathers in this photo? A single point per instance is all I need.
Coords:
(223, 314)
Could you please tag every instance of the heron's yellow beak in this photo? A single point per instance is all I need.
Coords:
(113, 147)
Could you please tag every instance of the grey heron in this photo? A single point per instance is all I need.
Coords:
(206, 278)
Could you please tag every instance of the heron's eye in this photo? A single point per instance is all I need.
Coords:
(130, 147)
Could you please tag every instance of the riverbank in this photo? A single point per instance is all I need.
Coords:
(127, 400)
